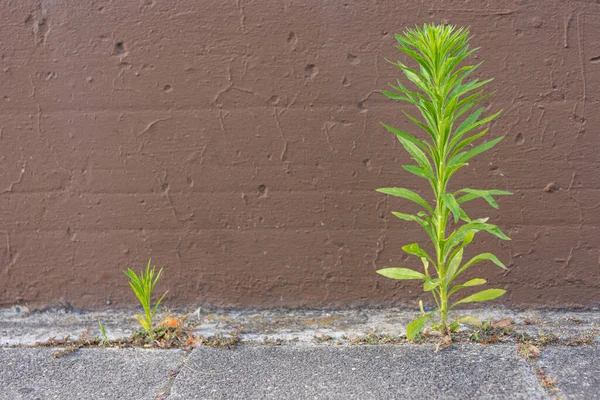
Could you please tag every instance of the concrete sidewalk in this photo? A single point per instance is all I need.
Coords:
(300, 372)
(283, 356)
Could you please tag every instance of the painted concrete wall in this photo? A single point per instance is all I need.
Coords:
(238, 144)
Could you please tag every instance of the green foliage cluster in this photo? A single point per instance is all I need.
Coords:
(443, 95)
(143, 285)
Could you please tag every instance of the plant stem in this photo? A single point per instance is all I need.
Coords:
(441, 232)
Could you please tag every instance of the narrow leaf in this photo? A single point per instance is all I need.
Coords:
(409, 217)
(466, 156)
(472, 282)
(485, 194)
(416, 326)
(470, 120)
(401, 273)
(455, 149)
(420, 124)
(417, 154)
(415, 250)
(473, 226)
(406, 136)
(451, 203)
(484, 295)
(158, 303)
(419, 171)
(396, 96)
(429, 285)
(407, 194)
(472, 85)
(452, 170)
(482, 257)
(455, 263)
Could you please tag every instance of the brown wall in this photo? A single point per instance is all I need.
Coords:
(239, 146)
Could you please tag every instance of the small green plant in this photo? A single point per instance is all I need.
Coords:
(142, 285)
(104, 341)
(442, 96)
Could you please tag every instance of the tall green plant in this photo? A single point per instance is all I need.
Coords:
(443, 95)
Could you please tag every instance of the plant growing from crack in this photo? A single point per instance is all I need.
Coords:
(443, 94)
(143, 285)
(104, 341)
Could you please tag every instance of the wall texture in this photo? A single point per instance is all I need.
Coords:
(238, 144)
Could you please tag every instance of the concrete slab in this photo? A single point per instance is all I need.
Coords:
(356, 372)
(86, 374)
(576, 369)
(19, 326)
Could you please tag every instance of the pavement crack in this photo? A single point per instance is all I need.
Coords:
(166, 389)
(546, 382)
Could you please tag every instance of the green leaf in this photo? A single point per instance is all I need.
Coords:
(464, 143)
(425, 262)
(470, 320)
(407, 194)
(466, 156)
(484, 295)
(421, 125)
(452, 170)
(455, 262)
(451, 203)
(417, 154)
(468, 102)
(485, 194)
(419, 171)
(474, 226)
(143, 322)
(472, 282)
(396, 96)
(409, 217)
(401, 273)
(470, 120)
(416, 326)
(482, 257)
(468, 125)
(429, 285)
(494, 230)
(453, 327)
(472, 85)
(461, 233)
(405, 136)
(415, 250)
(158, 303)
(415, 78)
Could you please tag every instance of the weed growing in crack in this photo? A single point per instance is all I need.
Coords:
(104, 340)
(528, 351)
(323, 338)
(143, 285)
(548, 382)
(442, 96)
(215, 341)
(269, 341)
